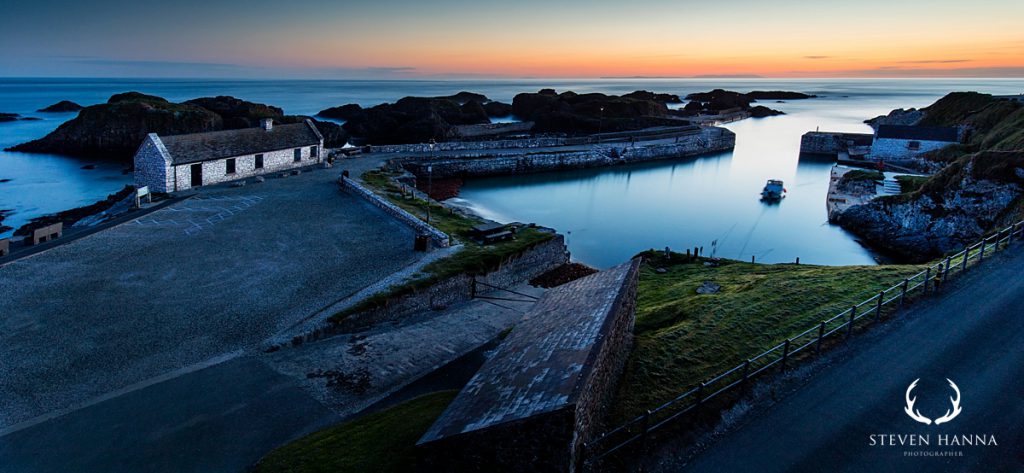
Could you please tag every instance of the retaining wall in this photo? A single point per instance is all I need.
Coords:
(518, 269)
(486, 129)
(439, 238)
(831, 143)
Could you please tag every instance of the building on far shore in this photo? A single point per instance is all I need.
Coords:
(180, 162)
(900, 141)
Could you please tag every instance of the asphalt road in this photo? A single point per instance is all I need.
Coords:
(972, 334)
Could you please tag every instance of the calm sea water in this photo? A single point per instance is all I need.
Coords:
(611, 213)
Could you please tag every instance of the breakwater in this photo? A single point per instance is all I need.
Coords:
(708, 140)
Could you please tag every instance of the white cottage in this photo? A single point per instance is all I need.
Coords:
(899, 141)
(179, 162)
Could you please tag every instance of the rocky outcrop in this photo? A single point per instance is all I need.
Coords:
(344, 112)
(416, 119)
(954, 208)
(237, 113)
(61, 107)
(719, 100)
(497, 109)
(113, 130)
(574, 113)
(13, 117)
(905, 117)
(656, 97)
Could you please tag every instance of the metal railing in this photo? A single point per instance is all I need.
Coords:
(737, 380)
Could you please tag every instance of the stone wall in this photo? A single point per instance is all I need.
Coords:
(470, 145)
(439, 238)
(548, 386)
(521, 268)
(891, 148)
(708, 141)
(487, 129)
(830, 143)
(151, 165)
(215, 171)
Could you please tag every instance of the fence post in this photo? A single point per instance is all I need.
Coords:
(878, 307)
(927, 277)
(821, 335)
(785, 354)
(700, 394)
(981, 256)
(746, 372)
(967, 254)
(945, 269)
(853, 316)
(903, 291)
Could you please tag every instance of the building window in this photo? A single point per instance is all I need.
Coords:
(313, 151)
(259, 161)
(298, 154)
(230, 166)
(913, 145)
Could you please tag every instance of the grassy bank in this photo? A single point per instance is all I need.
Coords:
(382, 442)
(683, 338)
(471, 259)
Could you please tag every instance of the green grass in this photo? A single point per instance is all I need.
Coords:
(911, 183)
(471, 259)
(683, 338)
(863, 175)
(382, 442)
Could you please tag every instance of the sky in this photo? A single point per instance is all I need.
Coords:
(389, 39)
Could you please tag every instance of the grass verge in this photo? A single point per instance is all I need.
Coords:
(683, 338)
(381, 442)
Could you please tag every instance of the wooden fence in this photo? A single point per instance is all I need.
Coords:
(809, 342)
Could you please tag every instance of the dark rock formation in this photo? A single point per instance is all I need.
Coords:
(114, 130)
(897, 117)
(344, 112)
(415, 120)
(954, 208)
(574, 113)
(237, 113)
(778, 95)
(463, 97)
(717, 100)
(62, 106)
(12, 117)
(497, 109)
(645, 95)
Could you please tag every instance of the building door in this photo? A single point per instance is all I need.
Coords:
(197, 175)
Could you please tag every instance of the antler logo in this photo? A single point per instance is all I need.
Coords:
(916, 414)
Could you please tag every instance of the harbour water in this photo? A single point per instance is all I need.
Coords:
(609, 214)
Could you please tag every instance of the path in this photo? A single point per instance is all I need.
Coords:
(972, 334)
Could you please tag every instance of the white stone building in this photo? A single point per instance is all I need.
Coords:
(900, 142)
(180, 162)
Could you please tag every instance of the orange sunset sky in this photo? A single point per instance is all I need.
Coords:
(453, 38)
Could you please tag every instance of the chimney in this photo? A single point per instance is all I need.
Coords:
(267, 123)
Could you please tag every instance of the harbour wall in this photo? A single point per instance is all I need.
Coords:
(709, 140)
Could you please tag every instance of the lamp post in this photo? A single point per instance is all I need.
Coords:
(430, 178)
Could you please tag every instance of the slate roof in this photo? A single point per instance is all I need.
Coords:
(540, 366)
(921, 133)
(198, 147)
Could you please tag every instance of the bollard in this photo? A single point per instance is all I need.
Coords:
(903, 292)
(751, 258)
(797, 260)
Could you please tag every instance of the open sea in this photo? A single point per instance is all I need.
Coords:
(608, 214)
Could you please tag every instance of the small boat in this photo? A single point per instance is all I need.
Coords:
(773, 190)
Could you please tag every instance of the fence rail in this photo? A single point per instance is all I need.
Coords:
(842, 324)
